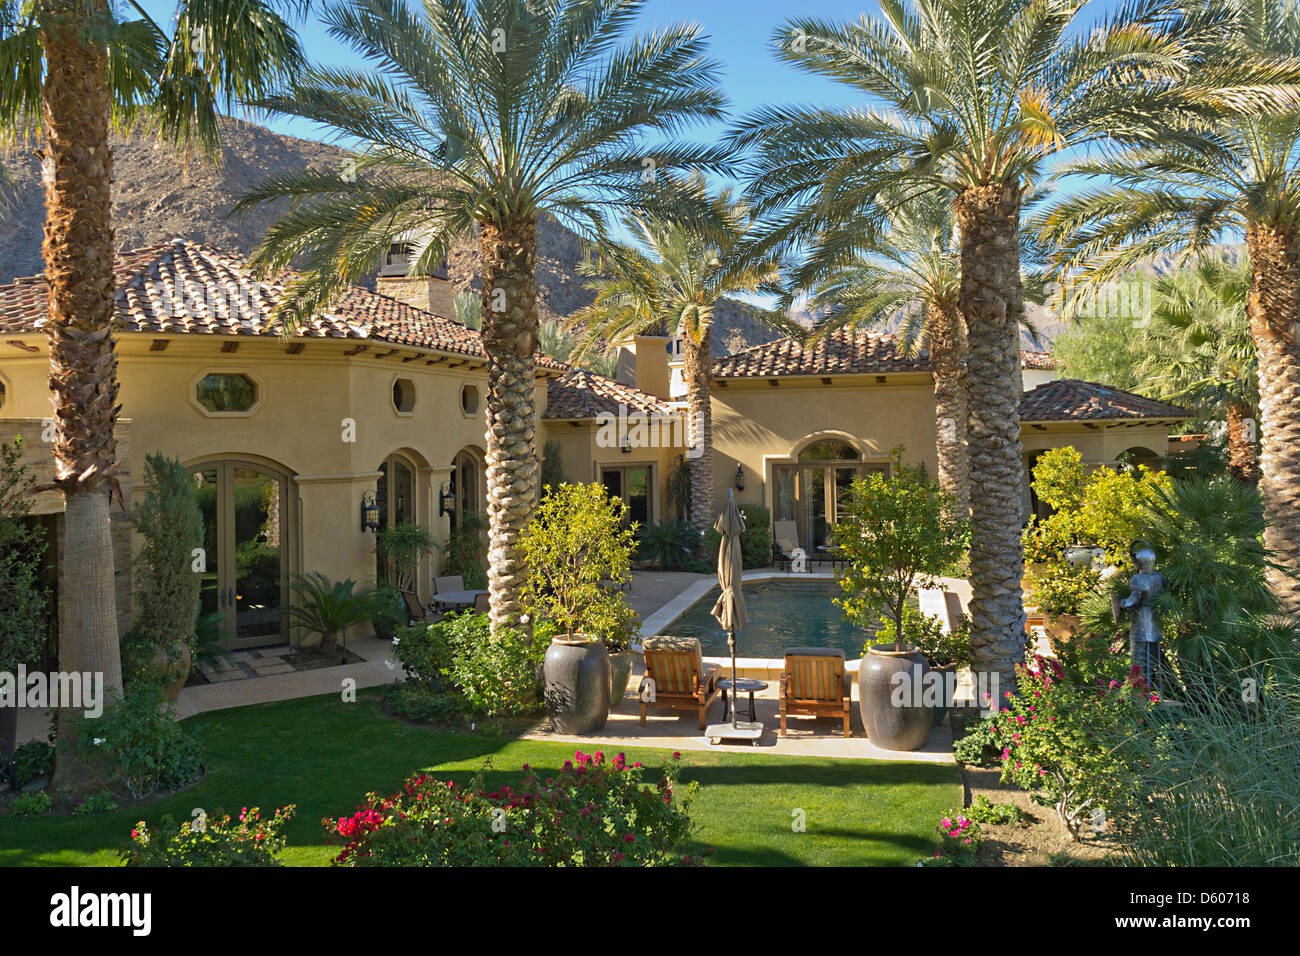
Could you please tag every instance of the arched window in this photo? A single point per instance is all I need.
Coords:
(395, 491)
(467, 482)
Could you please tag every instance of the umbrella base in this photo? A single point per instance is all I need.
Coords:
(743, 730)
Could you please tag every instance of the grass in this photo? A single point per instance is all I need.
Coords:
(323, 755)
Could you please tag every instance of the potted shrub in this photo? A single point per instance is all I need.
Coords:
(328, 608)
(618, 628)
(23, 624)
(161, 644)
(944, 653)
(398, 549)
(898, 534)
(578, 551)
(1058, 590)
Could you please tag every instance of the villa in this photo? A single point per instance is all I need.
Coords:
(372, 414)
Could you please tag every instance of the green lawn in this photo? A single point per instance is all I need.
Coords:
(324, 755)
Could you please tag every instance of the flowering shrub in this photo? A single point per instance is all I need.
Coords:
(592, 813)
(1067, 743)
(959, 840)
(213, 841)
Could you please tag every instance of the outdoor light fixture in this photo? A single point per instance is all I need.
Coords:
(446, 500)
(740, 477)
(627, 445)
(369, 512)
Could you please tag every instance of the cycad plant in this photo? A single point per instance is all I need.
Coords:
(482, 116)
(670, 281)
(1197, 349)
(1237, 174)
(70, 69)
(329, 608)
(971, 99)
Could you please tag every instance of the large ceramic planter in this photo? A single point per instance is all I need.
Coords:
(620, 675)
(174, 672)
(895, 717)
(944, 690)
(576, 676)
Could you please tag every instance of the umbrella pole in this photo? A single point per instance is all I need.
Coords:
(735, 696)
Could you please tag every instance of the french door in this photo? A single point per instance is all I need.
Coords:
(245, 515)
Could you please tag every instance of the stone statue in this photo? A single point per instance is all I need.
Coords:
(1144, 631)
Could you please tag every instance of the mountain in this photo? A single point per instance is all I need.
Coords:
(158, 195)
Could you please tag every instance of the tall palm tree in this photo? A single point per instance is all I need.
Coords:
(911, 271)
(970, 99)
(1240, 174)
(487, 114)
(70, 70)
(671, 281)
(1197, 349)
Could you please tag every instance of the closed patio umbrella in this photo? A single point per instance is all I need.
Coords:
(730, 607)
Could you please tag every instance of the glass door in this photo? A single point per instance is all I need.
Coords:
(244, 521)
(631, 485)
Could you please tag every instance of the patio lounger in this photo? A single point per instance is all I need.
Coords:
(815, 683)
(681, 678)
(945, 605)
(786, 538)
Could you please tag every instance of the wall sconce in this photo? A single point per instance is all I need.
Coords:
(446, 500)
(369, 512)
(740, 477)
(626, 447)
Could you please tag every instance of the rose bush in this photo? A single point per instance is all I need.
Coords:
(593, 812)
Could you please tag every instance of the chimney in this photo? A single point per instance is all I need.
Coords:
(432, 293)
(643, 363)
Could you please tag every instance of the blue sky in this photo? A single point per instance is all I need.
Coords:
(739, 31)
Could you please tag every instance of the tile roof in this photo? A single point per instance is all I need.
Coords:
(582, 394)
(842, 352)
(1072, 400)
(190, 287)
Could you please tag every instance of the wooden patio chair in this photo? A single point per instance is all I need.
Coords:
(815, 683)
(682, 680)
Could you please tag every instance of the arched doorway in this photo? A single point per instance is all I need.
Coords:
(247, 526)
(813, 489)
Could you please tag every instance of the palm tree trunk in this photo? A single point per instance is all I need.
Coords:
(1274, 311)
(699, 431)
(991, 303)
(1243, 458)
(77, 169)
(947, 336)
(509, 330)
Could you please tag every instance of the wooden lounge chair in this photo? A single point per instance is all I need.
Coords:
(681, 678)
(815, 683)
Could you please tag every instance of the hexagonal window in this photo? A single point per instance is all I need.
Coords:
(469, 399)
(404, 395)
(226, 392)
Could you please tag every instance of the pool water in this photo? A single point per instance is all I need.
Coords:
(782, 613)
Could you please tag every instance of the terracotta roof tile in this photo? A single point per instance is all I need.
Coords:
(190, 287)
(582, 394)
(842, 352)
(1072, 400)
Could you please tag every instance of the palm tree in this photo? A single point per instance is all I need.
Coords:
(1197, 348)
(970, 99)
(1240, 174)
(487, 114)
(670, 282)
(911, 270)
(71, 69)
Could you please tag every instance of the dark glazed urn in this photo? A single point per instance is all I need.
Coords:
(891, 695)
(577, 678)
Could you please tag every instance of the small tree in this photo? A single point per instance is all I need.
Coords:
(899, 533)
(576, 543)
(167, 584)
(22, 599)
(400, 547)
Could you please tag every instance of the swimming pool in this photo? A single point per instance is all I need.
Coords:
(782, 613)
